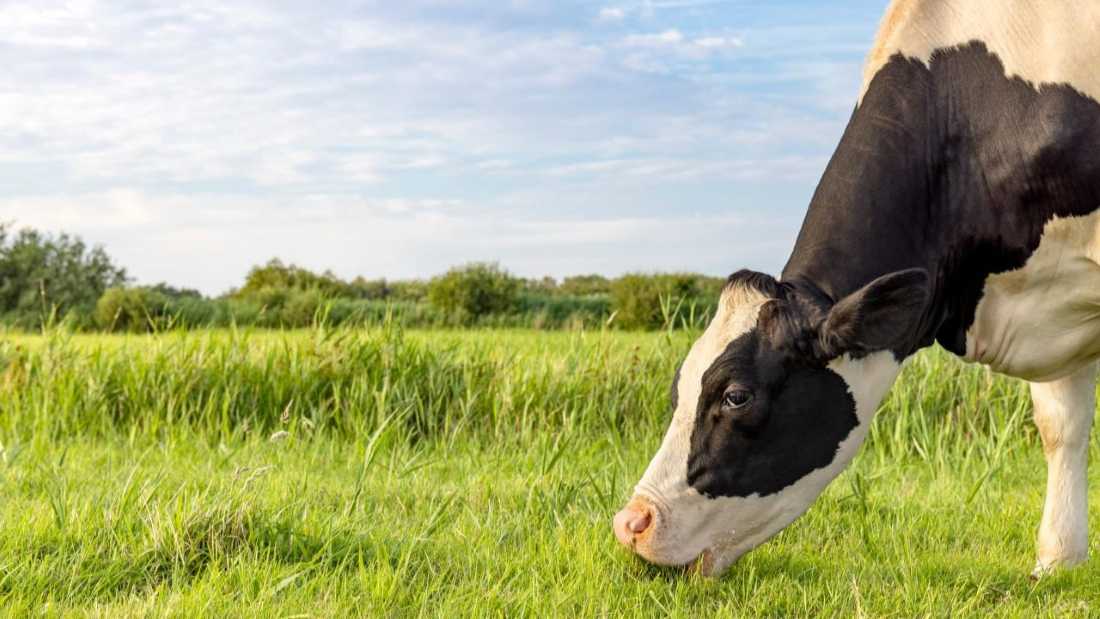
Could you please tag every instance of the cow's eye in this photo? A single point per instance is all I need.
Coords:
(736, 398)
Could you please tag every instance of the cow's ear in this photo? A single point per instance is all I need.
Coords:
(879, 316)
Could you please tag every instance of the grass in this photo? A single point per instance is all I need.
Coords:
(335, 473)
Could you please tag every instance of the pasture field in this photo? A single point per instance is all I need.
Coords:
(329, 473)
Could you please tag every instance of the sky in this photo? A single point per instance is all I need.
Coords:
(399, 138)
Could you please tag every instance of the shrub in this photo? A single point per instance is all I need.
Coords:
(474, 290)
(44, 276)
(276, 276)
(247, 313)
(301, 309)
(190, 312)
(412, 291)
(173, 292)
(370, 288)
(544, 312)
(271, 299)
(543, 286)
(643, 301)
(585, 285)
(80, 317)
(133, 309)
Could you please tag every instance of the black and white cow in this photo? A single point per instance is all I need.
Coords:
(962, 207)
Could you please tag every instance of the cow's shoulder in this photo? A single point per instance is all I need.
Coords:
(1039, 41)
(1040, 321)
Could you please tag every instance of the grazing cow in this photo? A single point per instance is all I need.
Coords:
(962, 206)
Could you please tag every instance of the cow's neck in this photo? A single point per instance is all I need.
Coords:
(952, 167)
(874, 210)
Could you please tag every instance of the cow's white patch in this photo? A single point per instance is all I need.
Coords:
(690, 526)
(755, 519)
(1037, 40)
(1063, 414)
(1041, 322)
(738, 309)
(681, 510)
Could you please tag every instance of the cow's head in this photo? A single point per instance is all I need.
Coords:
(770, 405)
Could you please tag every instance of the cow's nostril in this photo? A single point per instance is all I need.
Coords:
(634, 519)
(640, 523)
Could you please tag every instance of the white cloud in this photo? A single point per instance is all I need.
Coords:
(612, 13)
(676, 170)
(212, 241)
(368, 35)
(660, 39)
(395, 140)
(652, 52)
(262, 96)
(672, 52)
(718, 42)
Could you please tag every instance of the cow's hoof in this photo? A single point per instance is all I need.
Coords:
(1041, 571)
(1046, 567)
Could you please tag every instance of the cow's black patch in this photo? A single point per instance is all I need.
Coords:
(953, 168)
(674, 392)
(799, 415)
(754, 280)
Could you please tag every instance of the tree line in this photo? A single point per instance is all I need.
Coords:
(51, 279)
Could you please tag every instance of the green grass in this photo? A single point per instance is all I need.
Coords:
(471, 474)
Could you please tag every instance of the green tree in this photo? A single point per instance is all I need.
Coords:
(585, 285)
(411, 290)
(175, 293)
(474, 290)
(375, 289)
(642, 301)
(133, 309)
(545, 286)
(43, 274)
(278, 276)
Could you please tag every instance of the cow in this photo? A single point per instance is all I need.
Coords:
(961, 207)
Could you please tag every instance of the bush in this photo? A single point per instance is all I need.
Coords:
(663, 300)
(57, 279)
(246, 313)
(545, 312)
(44, 276)
(175, 293)
(585, 285)
(412, 291)
(546, 286)
(374, 289)
(302, 309)
(133, 309)
(475, 290)
(191, 312)
(276, 276)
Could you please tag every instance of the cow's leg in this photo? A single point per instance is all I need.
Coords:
(1063, 412)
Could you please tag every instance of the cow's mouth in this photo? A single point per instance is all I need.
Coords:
(715, 560)
(704, 564)
(711, 563)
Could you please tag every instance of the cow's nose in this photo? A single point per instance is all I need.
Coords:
(633, 520)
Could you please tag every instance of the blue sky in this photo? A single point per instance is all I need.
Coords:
(399, 138)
